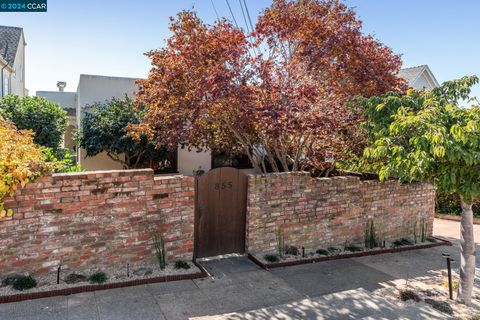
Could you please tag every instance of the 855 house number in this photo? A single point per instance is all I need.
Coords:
(223, 185)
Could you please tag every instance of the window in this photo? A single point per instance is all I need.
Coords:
(6, 85)
(240, 161)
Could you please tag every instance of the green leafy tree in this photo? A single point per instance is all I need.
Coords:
(46, 119)
(104, 130)
(432, 136)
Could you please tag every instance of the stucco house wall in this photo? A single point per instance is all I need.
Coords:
(12, 61)
(17, 79)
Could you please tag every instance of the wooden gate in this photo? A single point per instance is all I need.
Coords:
(220, 217)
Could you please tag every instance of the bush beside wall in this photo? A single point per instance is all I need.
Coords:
(321, 212)
(96, 219)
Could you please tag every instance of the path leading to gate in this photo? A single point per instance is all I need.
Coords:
(338, 289)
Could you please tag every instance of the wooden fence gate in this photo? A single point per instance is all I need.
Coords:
(220, 215)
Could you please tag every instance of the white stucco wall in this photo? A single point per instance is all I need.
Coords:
(17, 79)
(190, 161)
(99, 162)
(63, 98)
(93, 88)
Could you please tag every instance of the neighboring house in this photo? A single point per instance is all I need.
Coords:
(12, 61)
(94, 88)
(420, 77)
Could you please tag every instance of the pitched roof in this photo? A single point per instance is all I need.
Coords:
(413, 73)
(9, 40)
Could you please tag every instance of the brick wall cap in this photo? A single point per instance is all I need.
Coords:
(169, 176)
(277, 174)
(104, 173)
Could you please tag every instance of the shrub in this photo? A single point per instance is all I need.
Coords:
(280, 242)
(272, 257)
(180, 264)
(63, 159)
(98, 277)
(160, 252)
(402, 242)
(21, 161)
(352, 248)
(370, 235)
(430, 239)
(322, 252)
(291, 250)
(407, 294)
(24, 283)
(46, 119)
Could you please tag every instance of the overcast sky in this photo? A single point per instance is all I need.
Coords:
(109, 37)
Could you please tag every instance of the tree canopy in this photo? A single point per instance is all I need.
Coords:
(104, 130)
(46, 119)
(428, 136)
(431, 136)
(276, 94)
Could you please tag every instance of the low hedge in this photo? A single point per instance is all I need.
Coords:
(450, 204)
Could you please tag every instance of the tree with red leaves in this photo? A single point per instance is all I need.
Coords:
(277, 94)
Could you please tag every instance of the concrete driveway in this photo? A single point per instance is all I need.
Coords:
(338, 289)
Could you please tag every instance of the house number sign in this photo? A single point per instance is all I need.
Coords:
(223, 185)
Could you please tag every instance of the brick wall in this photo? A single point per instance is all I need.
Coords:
(96, 219)
(322, 212)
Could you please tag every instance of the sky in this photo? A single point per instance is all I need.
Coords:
(109, 37)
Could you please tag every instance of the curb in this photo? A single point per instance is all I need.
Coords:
(68, 291)
(267, 266)
(449, 217)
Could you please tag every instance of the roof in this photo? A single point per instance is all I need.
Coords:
(9, 40)
(412, 74)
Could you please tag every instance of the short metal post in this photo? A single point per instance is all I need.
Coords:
(449, 270)
(303, 252)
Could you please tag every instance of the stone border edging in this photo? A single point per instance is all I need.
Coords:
(450, 217)
(68, 291)
(267, 266)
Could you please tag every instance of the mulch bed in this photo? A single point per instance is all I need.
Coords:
(95, 287)
(271, 265)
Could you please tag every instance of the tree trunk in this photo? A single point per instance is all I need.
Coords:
(467, 258)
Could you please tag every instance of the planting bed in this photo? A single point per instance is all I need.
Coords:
(116, 278)
(339, 253)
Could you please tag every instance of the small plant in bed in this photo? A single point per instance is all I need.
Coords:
(98, 277)
(322, 252)
(272, 257)
(408, 294)
(180, 264)
(402, 242)
(430, 239)
(24, 283)
(334, 250)
(353, 248)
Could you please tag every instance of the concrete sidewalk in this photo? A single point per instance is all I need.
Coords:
(351, 304)
(338, 289)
